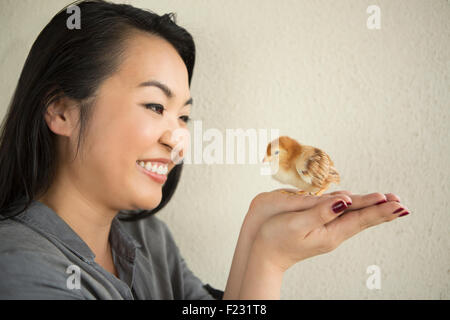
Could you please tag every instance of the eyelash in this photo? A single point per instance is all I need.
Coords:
(150, 106)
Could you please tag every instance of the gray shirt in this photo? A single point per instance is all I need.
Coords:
(41, 257)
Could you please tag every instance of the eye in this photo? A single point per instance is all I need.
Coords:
(155, 107)
(160, 109)
(277, 152)
(186, 119)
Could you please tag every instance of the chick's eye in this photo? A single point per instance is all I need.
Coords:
(155, 107)
(277, 152)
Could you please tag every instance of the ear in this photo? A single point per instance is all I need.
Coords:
(62, 116)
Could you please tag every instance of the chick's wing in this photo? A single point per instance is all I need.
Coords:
(313, 166)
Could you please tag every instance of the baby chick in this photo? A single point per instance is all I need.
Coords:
(305, 167)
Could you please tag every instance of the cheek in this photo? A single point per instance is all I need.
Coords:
(144, 136)
(131, 133)
(141, 142)
(117, 141)
(113, 171)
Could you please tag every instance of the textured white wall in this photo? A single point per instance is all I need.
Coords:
(376, 100)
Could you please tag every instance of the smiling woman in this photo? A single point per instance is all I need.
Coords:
(96, 88)
(118, 91)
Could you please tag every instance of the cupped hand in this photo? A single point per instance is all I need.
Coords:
(295, 227)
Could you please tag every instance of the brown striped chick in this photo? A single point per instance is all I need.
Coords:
(305, 167)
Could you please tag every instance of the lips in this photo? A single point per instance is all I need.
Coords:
(155, 160)
(153, 175)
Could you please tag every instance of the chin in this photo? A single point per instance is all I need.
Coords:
(147, 200)
(150, 203)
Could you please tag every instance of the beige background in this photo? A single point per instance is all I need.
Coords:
(376, 100)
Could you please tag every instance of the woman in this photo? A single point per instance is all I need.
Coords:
(92, 106)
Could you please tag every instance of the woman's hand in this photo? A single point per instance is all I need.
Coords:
(269, 204)
(296, 227)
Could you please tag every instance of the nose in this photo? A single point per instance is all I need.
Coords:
(166, 137)
(175, 137)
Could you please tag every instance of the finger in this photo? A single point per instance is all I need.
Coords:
(353, 222)
(366, 200)
(339, 192)
(297, 202)
(319, 215)
(392, 197)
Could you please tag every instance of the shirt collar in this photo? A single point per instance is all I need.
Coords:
(45, 221)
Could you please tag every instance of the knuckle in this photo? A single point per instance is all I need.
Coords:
(392, 207)
(261, 195)
(386, 213)
(379, 196)
(259, 198)
(324, 212)
(392, 197)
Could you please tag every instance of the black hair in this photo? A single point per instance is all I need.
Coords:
(73, 63)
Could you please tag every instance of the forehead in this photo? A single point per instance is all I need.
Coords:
(150, 57)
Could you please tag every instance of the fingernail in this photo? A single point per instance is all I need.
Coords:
(339, 206)
(349, 203)
(404, 214)
(398, 210)
(380, 202)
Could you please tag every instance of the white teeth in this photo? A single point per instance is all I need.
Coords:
(162, 170)
(159, 169)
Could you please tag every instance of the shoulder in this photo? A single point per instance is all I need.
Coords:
(16, 236)
(34, 275)
(31, 267)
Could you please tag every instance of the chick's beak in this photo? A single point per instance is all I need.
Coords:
(265, 159)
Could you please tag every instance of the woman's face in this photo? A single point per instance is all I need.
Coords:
(123, 130)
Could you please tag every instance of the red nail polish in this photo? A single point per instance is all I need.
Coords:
(339, 206)
(398, 210)
(380, 202)
(404, 214)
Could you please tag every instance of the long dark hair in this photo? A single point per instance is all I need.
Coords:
(73, 63)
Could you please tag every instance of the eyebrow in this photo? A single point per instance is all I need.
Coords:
(169, 94)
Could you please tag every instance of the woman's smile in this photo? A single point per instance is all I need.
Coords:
(157, 172)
